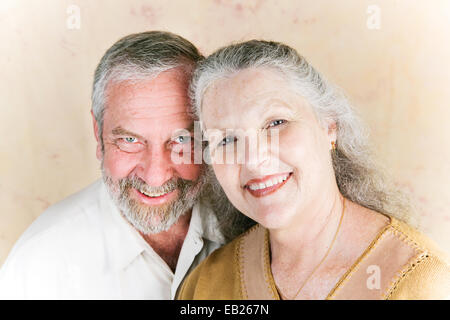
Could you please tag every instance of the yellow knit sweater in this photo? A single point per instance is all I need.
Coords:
(411, 267)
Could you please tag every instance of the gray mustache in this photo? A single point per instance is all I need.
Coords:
(138, 183)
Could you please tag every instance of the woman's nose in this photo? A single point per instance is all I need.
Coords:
(256, 151)
(261, 151)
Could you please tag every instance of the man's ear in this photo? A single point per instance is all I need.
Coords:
(98, 152)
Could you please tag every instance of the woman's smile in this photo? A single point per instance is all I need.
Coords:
(267, 185)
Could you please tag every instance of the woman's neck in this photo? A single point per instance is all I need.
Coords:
(308, 238)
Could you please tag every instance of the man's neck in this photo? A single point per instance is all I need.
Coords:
(167, 244)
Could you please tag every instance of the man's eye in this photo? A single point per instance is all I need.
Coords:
(227, 140)
(183, 139)
(130, 139)
(277, 122)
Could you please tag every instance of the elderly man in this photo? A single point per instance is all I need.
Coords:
(137, 232)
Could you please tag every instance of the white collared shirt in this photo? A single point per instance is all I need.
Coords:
(83, 248)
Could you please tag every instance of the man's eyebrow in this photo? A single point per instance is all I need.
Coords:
(119, 131)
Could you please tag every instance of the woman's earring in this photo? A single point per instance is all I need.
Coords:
(333, 145)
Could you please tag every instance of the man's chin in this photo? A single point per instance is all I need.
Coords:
(150, 215)
(156, 225)
(151, 219)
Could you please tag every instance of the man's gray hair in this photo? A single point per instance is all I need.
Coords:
(143, 56)
(140, 56)
(358, 177)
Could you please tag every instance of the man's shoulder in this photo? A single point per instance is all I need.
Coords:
(66, 211)
(67, 234)
(59, 223)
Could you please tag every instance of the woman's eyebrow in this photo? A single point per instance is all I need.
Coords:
(268, 106)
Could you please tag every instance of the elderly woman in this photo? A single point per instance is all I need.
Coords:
(326, 226)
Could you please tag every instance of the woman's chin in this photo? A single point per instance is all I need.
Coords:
(272, 219)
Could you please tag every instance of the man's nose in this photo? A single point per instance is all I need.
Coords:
(155, 167)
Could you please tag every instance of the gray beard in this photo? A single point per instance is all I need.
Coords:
(153, 219)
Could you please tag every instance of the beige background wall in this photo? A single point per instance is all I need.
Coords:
(397, 75)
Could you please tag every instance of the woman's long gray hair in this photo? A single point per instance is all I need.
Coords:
(358, 177)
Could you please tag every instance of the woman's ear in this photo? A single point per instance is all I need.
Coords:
(332, 132)
(98, 152)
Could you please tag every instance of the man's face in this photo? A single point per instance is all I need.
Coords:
(141, 134)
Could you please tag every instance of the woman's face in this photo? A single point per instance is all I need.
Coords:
(273, 182)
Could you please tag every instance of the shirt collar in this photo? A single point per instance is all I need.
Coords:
(205, 222)
(125, 244)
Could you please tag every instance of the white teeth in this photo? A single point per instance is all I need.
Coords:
(269, 183)
(152, 194)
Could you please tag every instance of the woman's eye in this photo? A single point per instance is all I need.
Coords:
(227, 140)
(276, 122)
(130, 139)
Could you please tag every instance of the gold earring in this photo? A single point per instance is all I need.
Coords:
(333, 145)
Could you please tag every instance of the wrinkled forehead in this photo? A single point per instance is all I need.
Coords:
(245, 95)
(162, 96)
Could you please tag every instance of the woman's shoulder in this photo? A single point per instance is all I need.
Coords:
(217, 277)
(400, 263)
(417, 239)
(427, 273)
(410, 264)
